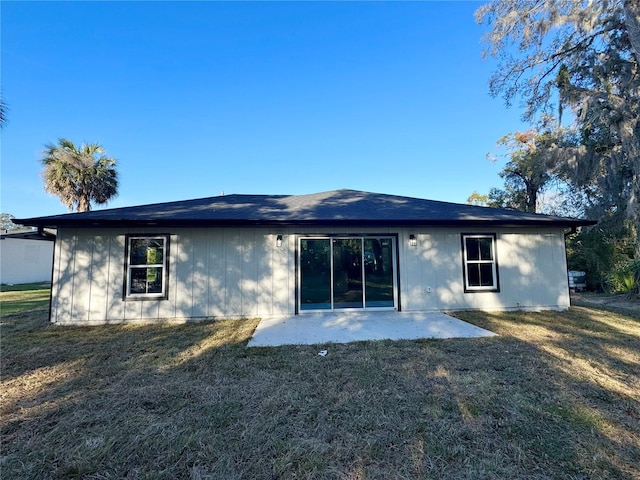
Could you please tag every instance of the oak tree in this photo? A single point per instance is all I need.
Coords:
(583, 56)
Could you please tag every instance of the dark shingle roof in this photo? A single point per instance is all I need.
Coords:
(337, 207)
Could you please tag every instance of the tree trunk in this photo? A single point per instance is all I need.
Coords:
(532, 200)
(84, 204)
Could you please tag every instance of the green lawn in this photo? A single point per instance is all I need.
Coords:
(24, 297)
(556, 395)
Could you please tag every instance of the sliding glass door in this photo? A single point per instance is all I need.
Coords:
(379, 272)
(346, 272)
(315, 274)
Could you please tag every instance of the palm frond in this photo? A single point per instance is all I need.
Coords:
(79, 176)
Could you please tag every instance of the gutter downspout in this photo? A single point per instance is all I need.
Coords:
(572, 231)
(53, 266)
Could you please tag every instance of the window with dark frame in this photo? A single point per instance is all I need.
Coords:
(480, 265)
(146, 269)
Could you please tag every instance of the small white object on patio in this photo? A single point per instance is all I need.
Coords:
(345, 327)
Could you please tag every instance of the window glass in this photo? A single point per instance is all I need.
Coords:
(146, 267)
(154, 280)
(480, 268)
(315, 274)
(346, 272)
(138, 251)
(473, 275)
(378, 270)
(486, 274)
(486, 250)
(155, 251)
(138, 280)
(473, 248)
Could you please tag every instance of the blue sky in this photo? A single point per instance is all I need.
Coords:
(193, 99)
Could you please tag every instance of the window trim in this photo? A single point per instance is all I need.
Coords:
(495, 270)
(126, 286)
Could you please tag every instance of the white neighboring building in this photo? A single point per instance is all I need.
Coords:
(26, 257)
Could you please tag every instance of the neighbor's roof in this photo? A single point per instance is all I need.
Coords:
(27, 235)
(337, 207)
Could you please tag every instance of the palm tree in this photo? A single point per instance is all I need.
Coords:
(79, 176)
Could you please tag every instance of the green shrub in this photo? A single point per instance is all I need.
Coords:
(604, 256)
(623, 278)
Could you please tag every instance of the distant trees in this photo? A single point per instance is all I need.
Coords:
(80, 176)
(478, 199)
(527, 172)
(6, 222)
(582, 57)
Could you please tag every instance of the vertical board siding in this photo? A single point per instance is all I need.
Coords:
(82, 279)
(411, 283)
(216, 278)
(247, 287)
(265, 254)
(233, 257)
(199, 282)
(115, 305)
(64, 285)
(181, 261)
(221, 272)
(531, 269)
(99, 277)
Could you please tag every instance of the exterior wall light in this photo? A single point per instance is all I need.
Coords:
(279, 241)
(413, 241)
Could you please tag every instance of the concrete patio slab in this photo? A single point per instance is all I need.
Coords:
(345, 327)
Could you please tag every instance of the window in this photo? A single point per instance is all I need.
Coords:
(480, 265)
(146, 269)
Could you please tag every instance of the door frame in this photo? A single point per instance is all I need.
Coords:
(395, 259)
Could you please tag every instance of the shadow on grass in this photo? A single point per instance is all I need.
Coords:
(190, 401)
(608, 339)
(591, 358)
(30, 343)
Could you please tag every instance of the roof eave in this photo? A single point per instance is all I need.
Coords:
(200, 223)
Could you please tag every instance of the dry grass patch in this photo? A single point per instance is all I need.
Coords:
(555, 396)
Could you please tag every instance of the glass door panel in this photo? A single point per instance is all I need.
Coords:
(347, 273)
(354, 272)
(315, 274)
(378, 270)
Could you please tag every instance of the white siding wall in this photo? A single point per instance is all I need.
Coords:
(212, 273)
(216, 273)
(25, 261)
(531, 267)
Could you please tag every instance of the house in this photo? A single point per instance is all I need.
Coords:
(26, 256)
(271, 255)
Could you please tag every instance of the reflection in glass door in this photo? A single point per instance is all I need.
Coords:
(378, 269)
(347, 273)
(315, 273)
(354, 272)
